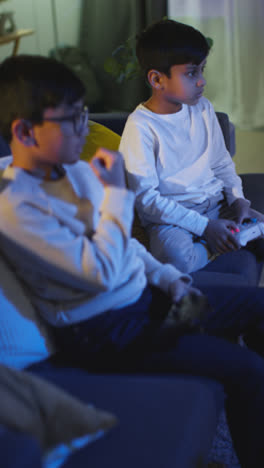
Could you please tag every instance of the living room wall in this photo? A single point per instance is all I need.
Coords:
(38, 15)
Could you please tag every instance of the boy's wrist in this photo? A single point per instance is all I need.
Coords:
(206, 225)
(200, 226)
(241, 200)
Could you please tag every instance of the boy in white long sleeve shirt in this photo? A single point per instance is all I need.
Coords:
(65, 228)
(175, 155)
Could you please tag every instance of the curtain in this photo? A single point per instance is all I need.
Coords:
(106, 24)
(235, 67)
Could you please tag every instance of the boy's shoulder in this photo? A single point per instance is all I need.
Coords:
(78, 166)
(5, 161)
(140, 113)
(203, 104)
(83, 178)
(146, 121)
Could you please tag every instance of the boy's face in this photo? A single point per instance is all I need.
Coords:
(184, 86)
(59, 140)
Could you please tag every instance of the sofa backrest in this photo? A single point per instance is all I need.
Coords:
(4, 147)
(116, 122)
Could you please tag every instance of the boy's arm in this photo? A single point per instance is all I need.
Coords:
(94, 262)
(164, 276)
(138, 147)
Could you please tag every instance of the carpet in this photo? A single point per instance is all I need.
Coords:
(222, 450)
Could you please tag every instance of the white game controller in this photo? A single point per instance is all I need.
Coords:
(249, 230)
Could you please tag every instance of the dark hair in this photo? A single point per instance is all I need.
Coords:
(167, 43)
(29, 84)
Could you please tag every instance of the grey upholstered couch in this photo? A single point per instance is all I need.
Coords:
(165, 421)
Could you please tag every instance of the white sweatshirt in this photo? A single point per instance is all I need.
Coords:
(175, 158)
(71, 245)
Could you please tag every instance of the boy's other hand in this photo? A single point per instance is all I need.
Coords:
(240, 210)
(219, 237)
(108, 166)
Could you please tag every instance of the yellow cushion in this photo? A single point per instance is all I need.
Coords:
(99, 136)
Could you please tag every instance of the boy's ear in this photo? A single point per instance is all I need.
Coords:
(23, 131)
(155, 79)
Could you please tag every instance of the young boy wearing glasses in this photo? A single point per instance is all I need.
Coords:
(65, 227)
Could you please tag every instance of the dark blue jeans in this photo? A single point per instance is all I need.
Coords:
(133, 339)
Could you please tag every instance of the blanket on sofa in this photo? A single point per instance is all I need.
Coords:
(59, 421)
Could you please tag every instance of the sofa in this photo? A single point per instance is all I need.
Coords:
(164, 420)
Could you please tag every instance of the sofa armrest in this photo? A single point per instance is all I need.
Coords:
(253, 187)
(113, 120)
(116, 122)
(228, 130)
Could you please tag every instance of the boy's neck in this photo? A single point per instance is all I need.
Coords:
(48, 173)
(24, 159)
(158, 106)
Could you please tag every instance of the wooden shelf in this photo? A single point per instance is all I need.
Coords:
(15, 37)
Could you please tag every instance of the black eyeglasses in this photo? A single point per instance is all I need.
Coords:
(79, 120)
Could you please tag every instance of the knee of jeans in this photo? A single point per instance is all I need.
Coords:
(183, 261)
(188, 260)
(185, 264)
(183, 253)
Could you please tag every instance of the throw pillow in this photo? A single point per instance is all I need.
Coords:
(99, 136)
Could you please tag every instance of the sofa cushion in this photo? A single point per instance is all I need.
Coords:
(160, 417)
(24, 338)
(60, 422)
(99, 135)
(114, 120)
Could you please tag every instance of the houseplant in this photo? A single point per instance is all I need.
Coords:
(123, 64)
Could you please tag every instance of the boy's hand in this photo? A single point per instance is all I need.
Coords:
(219, 237)
(190, 307)
(180, 288)
(240, 210)
(108, 166)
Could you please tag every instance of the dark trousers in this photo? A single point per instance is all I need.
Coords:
(134, 339)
